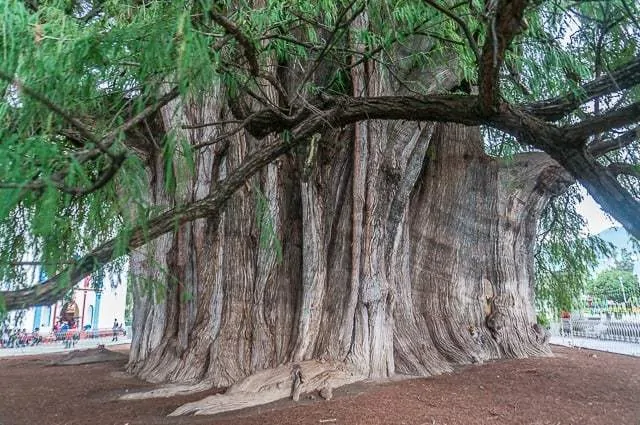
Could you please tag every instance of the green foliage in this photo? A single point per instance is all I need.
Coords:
(564, 255)
(543, 320)
(615, 284)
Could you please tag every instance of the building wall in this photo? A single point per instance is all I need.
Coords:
(111, 306)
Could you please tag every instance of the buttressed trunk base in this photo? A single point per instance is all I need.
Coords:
(405, 249)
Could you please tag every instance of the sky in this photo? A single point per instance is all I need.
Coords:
(596, 219)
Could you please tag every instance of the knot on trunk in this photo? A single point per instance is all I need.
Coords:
(553, 180)
(497, 319)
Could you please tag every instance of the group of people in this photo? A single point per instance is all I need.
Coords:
(16, 337)
(66, 332)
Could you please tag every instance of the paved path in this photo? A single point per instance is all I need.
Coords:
(619, 347)
(58, 347)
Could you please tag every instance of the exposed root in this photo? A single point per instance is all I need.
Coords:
(94, 355)
(169, 390)
(274, 384)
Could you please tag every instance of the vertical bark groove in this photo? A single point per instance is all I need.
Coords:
(405, 249)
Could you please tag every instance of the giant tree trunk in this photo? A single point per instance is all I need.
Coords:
(404, 249)
(396, 247)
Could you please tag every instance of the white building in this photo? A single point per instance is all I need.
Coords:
(86, 308)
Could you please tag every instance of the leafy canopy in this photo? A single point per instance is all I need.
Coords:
(82, 85)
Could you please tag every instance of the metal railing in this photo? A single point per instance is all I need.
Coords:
(60, 341)
(606, 333)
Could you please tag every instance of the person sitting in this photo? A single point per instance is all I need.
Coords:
(35, 337)
(23, 338)
(5, 338)
(75, 338)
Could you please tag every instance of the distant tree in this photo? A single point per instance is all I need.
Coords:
(614, 284)
(625, 261)
(564, 257)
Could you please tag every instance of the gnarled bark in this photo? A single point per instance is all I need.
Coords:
(407, 250)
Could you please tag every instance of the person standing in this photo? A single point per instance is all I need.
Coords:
(115, 329)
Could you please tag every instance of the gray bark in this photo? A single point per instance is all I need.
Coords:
(407, 250)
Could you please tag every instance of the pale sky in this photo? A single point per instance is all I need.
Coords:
(597, 220)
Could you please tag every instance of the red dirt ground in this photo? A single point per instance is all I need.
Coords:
(574, 387)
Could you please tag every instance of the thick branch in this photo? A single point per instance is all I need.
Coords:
(623, 78)
(603, 147)
(446, 108)
(617, 168)
(601, 123)
(603, 186)
(504, 23)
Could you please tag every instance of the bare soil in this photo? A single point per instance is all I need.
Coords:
(574, 387)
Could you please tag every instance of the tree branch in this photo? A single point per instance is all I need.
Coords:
(603, 147)
(103, 146)
(617, 168)
(462, 24)
(331, 39)
(603, 186)
(142, 115)
(441, 108)
(249, 49)
(596, 125)
(504, 22)
(54, 288)
(77, 124)
(554, 109)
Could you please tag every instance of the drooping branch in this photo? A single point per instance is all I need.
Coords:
(82, 128)
(553, 109)
(599, 182)
(57, 180)
(603, 147)
(36, 263)
(54, 288)
(85, 134)
(461, 23)
(603, 186)
(504, 22)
